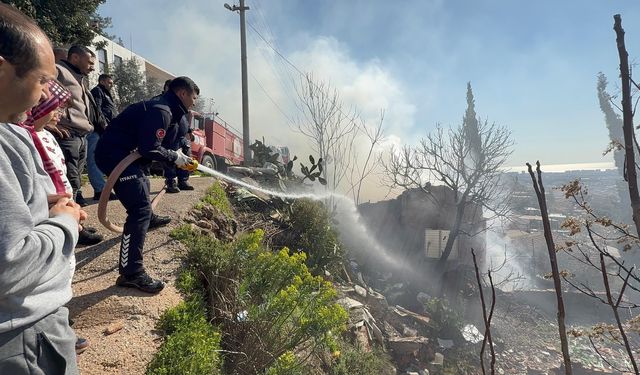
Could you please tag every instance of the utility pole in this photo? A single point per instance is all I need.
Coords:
(246, 138)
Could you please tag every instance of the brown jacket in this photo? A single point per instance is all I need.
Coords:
(77, 116)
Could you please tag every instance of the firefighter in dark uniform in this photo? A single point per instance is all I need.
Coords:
(151, 128)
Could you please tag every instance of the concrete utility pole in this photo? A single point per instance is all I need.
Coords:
(246, 138)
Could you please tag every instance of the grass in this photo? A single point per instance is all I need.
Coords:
(216, 197)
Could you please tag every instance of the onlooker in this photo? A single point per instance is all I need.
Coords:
(60, 53)
(150, 127)
(47, 113)
(104, 102)
(165, 88)
(77, 122)
(37, 242)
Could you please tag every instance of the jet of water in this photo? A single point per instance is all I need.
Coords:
(351, 229)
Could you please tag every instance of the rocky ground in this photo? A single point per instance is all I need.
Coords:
(99, 306)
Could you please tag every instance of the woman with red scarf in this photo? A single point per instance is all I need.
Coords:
(47, 114)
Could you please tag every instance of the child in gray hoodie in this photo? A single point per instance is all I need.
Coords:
(36, 246)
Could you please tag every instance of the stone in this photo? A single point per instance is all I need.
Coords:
(409, 332)
(438, 360)
(114, 327)
(360, 291)
(204, 224)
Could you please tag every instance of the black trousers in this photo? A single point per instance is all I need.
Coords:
(132, 189)
(74, 149)
(171, 171)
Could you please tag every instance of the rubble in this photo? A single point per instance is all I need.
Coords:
(373, 322)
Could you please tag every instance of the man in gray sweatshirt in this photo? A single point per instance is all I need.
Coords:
(37, 231)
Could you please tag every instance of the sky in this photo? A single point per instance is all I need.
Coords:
(532, 64)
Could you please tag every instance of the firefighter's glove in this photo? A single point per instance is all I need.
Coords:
(185, 162)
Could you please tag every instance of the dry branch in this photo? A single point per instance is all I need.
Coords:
(539, 188)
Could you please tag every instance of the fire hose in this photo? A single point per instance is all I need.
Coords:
(111, 180)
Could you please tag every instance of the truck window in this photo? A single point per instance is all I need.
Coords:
(198, 123)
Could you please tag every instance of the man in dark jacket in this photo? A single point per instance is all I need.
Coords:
(78, 121)
(150, 127)
(105, 105)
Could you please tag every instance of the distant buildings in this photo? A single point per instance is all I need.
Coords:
(114, 54)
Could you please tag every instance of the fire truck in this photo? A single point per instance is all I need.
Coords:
(214, 143)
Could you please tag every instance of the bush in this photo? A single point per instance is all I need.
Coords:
(217, 197)
(313, 234)
(181, 316)
(191, 349)
(268, 303)
(287, 364)
(446, 321)
(352, 361)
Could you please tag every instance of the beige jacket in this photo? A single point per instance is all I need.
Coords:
(76, 120)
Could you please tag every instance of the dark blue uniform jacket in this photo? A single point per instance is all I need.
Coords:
(151, 127)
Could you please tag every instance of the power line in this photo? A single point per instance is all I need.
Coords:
(275, 50)
(352, 120)
(273, 101)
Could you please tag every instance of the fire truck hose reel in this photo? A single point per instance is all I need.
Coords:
(111, 180)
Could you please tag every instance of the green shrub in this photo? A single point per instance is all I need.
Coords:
(445, 321)
(192, 349)
(313, 234)
(188, 282)
(181, 316)
(353, 361)
(217, 197)
(287, 364)
(266, 303)
(286, 307)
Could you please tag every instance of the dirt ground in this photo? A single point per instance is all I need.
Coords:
(98, 304)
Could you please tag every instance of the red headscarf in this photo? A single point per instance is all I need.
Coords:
(58, 96)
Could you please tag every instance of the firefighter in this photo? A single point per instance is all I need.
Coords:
(150, 127)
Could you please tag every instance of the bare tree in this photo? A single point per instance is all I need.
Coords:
(362, 168)
(601, 231)
(331, 128)
(467, 159)
(562, 330)
(627, 123)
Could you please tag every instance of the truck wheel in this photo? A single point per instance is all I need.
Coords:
(208, 162)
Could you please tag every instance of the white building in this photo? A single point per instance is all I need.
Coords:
(113, 54)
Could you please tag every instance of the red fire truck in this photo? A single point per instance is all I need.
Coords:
(215, 144)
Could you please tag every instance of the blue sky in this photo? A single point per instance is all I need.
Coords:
(532, 64)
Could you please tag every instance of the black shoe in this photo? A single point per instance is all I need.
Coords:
(80, 200)
(172, 187)
(90, 229)
(96, 196)
(88, 238)
(184, 185)
(159, 221)
(143, 282)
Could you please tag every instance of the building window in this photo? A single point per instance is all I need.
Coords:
(117, 61)
(102, 61)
